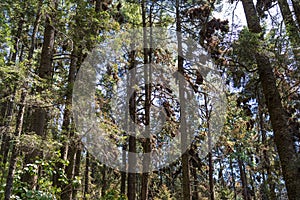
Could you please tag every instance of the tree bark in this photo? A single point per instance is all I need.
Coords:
(252, 193)
(210, 160)
(196, 182)
(15, 148)
(17, 38)
(283, 132)
(296, 6)
(265, 159)
(147, 104)
(45, 71)
(68, 151)
(243, 179)
(123, 173)
(104, 181)
(67, 189)
(77, 170)
(232, 177)
(86, 176)
(291, 27)
(186, 188)
(34, 31)
(124, 152)
(131, 182)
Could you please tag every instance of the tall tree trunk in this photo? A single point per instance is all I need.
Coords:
(243, 179)
(186, 188)
(291, 27)
(221, 175)
(66, 126)
(195, 192)
(15, 148)
(147, 104)
(283, 132)
(210, 173)
(124, 148)
(67, 189)
(253, 186)
(266, 161)
(296, 6)
(17, 38)
(210, 160)
(34, 31)
(77, 169)
(131, 182)
(123, 173)
(68, 151)
(45, 71)
(232, 177)
(104, 171)
(86, 176)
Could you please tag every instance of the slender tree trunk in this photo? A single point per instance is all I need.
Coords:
(283, 132)
(7, 121)
(34, 31)
(243, 179)
(123, 173)
(131, 182)
(86, 176)
(147, 78)
(67, 189)
(70, 170)
(291, 27)
(95, 178)
(233, 178)
(69, 151)
(210, 161)
(15, 148)
(296, 6)
(221, 175)
(77, 169)
(104, 180)
(124, 147)
(196, 182)
(253, 186)
(3, 109)
(266, 161)
(186, 188)
(66, 126)
(17, 38)
(210, 175)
